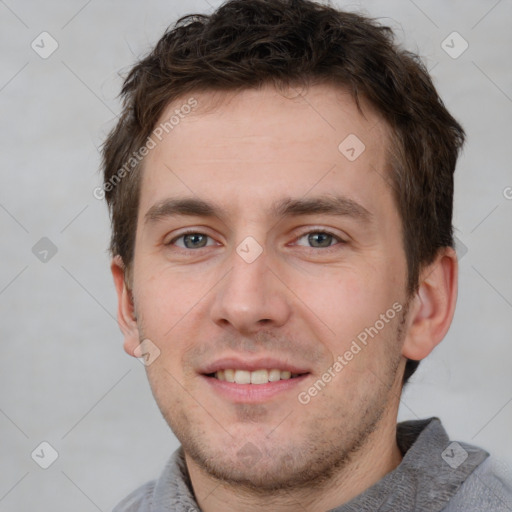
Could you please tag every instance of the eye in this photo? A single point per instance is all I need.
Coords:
(191, 241)
(318, 239)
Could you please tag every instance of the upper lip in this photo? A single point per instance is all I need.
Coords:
(251, 365)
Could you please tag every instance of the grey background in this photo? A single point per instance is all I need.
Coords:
(64, 378)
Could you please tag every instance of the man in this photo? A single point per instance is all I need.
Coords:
(280, 185)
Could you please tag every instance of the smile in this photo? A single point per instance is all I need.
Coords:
(260, 376)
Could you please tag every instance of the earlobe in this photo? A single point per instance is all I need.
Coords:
(126, 317)
(431, 311)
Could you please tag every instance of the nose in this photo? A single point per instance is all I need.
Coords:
(251, 296)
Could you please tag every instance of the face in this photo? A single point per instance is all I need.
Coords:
(269, 273)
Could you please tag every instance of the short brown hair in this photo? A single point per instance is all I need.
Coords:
(249, 43)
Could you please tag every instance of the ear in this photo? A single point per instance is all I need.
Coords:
(433, 306)
(125, 307)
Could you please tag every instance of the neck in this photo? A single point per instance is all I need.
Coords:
(372, 461)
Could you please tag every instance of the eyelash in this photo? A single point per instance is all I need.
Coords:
(185, 233)
(336, 238)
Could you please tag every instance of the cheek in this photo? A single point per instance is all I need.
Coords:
(160, 309)
(165, 297)
(348, 298)
(351, 306)
(171, 306)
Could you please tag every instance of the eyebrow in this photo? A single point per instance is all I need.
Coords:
(184, 206)
(329, 204)
(288, 207)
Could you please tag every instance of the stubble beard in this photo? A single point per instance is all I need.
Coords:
(262, 468)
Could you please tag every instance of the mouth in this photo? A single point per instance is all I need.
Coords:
(257, 377)
(257, 381)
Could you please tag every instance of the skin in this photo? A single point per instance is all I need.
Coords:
(303, 300)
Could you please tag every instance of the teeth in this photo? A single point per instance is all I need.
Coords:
(262, 376)
(242, 377)
(259, 377)
(274, 375)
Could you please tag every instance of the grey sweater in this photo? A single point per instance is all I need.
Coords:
(435, 475)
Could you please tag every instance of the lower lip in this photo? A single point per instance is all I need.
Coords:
(253, 393)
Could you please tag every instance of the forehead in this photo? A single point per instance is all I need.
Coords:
(264, 143)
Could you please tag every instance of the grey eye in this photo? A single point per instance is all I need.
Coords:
(320, 239)
(193, 240)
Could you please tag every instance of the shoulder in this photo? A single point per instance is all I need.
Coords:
(171, 491)
(139, 500)
(488, 488)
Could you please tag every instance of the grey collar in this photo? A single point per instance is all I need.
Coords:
(424, 481)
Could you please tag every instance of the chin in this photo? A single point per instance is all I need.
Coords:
(265, 467)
